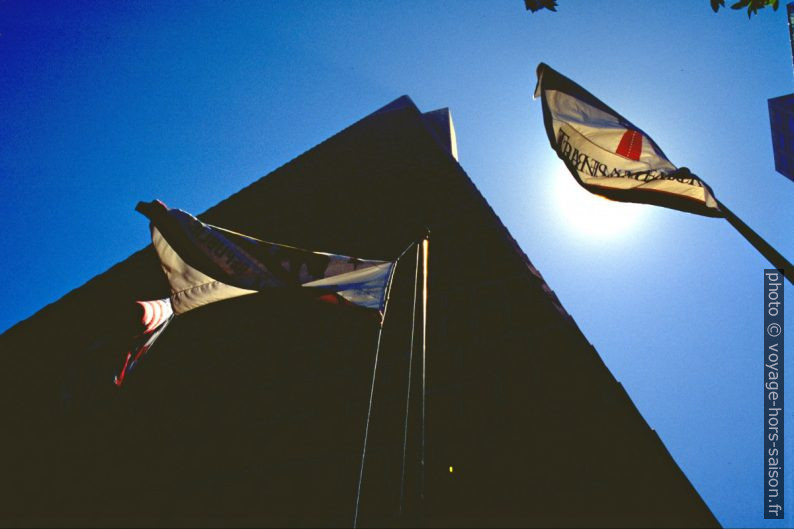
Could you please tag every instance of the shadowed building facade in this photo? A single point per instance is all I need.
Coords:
(251, 411)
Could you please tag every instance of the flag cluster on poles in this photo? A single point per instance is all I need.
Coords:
(611, 157)
(205, 264)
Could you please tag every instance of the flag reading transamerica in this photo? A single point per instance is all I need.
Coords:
(611, 157)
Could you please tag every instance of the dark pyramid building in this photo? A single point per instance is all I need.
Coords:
(252, 411)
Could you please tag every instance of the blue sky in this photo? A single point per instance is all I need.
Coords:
(110, 103)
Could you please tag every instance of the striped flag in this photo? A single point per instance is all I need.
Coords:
(155, 317)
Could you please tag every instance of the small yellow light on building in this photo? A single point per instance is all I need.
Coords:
(451, 470)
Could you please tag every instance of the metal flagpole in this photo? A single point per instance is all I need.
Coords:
(772, 255)
(408, 390)
(372, 388)
(425, 249)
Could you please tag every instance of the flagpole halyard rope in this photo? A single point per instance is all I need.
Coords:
(408, 390)
(371, 395)
(372, 387)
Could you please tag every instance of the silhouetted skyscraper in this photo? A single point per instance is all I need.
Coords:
(251, 411)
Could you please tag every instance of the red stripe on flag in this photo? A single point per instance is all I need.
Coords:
(146, 319)
(119, 380)
(630, 145)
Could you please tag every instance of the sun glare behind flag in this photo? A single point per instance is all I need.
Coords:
(611, 157)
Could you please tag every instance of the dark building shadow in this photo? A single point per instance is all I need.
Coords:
(251, 411)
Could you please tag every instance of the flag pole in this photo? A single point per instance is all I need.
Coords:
(401, 510)
(372, 388)
(766, 249)
(425, 250)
